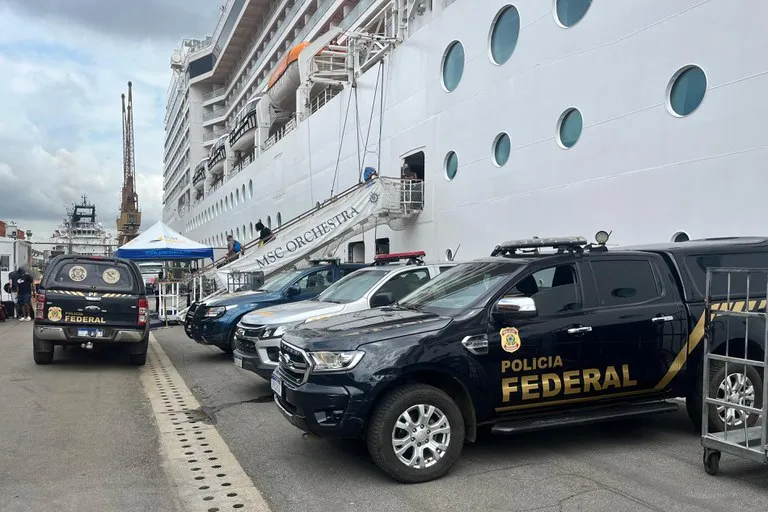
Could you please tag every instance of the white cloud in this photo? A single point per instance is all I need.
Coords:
(60, 128)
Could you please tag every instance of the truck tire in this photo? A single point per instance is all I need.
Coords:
(42, 351)
(433, 419)
(138, 353)
(719, 384)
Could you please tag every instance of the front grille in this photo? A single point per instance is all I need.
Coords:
(252, 332)
(246, 346)
(293, 363)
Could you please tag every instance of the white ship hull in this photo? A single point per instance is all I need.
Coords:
(636, 170)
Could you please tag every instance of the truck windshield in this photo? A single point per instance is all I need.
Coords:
(460, 287)
(93, 275)
(280, 281)
(352, 287)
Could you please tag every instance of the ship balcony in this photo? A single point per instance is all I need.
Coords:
(242, 137)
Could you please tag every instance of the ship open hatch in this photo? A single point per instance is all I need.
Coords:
(413, 166)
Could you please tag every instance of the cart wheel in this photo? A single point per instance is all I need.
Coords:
(711, 462)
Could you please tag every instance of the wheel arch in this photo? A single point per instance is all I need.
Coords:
(443, 381)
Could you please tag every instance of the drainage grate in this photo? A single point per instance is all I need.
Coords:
(208, 478)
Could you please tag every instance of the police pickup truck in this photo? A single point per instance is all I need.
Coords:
(523, 340)
(89, 301)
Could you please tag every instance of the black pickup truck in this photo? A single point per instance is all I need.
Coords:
(523, 340)
(89, 301)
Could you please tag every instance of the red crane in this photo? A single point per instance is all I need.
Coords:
(130, 217)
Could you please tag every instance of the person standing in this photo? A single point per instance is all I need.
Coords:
(265, 234)
(25, 286)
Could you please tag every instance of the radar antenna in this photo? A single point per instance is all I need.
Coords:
(130, 217)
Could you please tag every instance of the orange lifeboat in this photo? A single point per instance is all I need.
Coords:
(285, 81)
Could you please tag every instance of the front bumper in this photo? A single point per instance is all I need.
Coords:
(67, 334)
(258, 356)
(325, 411)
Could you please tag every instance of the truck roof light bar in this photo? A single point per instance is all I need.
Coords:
(329, 261)
(561, 244)
(415, 257)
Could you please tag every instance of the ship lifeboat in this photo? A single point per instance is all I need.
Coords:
(242, 137)
(217, 155)
(285, 80)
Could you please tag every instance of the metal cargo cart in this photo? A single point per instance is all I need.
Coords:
(742, 408)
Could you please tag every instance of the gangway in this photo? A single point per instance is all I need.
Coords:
(378, 201)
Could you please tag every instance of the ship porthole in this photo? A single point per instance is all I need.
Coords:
(449, 255)
(569, 128)
(250, 189)
(453, 66)
(686, 90)
(279, 219)
(501, 149)
(451, 165)
(505, 31)
(680, 236)
(570, 12)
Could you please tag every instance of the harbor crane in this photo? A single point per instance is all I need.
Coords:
(130, 216)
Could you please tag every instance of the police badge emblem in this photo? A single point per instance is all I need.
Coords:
(78, 273)
(510, 339)
(54, 314)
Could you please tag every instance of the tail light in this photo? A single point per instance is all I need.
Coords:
(39, 306)
(143, 311)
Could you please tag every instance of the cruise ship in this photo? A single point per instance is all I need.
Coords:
(81, 233)
(522, 117)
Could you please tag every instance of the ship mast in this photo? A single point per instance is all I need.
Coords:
(130, 216)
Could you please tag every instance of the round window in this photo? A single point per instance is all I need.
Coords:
(269, 221)
(237, 197)
(569, 128)
(449, 255)
(504, 33)
(453, 66)
(569, 12)
(242, 189)
(501, 148)
(279, 219)
(686, 90)
(451, 165)
(251, 229)
(250, 189)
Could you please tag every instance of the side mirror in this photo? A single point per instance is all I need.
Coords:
(382, 299)
(293, 291)
(514, 308)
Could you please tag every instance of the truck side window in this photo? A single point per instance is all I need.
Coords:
(405, 282)
(554, 290)
(316, 281)
(622, 282)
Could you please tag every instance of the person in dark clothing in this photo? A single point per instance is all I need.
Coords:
(25, 288)
(157, 290)
(265, 234)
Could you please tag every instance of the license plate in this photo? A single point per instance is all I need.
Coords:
(239, 362)
(277, 385)
(90, 333)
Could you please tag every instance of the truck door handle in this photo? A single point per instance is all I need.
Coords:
(661, 319)
(579, 330)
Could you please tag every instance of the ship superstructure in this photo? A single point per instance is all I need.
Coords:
(521, 118)
(81, 233)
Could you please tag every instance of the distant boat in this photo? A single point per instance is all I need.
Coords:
(80, 233)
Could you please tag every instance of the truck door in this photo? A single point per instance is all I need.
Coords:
(636, 316)
(537, 356)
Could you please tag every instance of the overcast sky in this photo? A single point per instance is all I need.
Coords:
(64, 65)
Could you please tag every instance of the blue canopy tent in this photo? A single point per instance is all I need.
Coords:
(159, 242)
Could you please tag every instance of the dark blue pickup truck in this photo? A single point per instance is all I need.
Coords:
(213, 322)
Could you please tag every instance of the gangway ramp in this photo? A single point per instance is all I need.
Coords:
(379, 201)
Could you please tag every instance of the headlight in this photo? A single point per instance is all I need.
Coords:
(319, 317)
(276, 332)
(217, 311)
(335, 361)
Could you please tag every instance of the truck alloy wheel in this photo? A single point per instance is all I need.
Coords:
(416, 433)
(421, 436)
(736, 387)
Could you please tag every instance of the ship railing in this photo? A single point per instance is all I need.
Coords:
(280, 133)
(244, 162)
(220, 91)
(324, 97)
